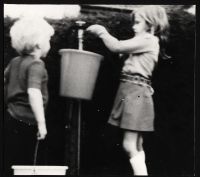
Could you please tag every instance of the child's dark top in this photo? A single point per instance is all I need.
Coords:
(24, 72)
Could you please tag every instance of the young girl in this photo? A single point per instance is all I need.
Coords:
(26, 79)
(133, 109)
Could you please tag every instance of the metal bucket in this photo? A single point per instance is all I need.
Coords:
(79, 70)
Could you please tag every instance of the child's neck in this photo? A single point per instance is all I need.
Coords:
(36, 54)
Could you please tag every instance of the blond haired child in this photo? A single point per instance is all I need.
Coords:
(133, 109)
(26, 80)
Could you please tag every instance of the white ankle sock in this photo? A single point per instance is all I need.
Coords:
(138, 164)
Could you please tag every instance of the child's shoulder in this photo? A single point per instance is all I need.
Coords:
(29, 61)
(150, 36)
(147, 37)
(34, 62)
(14, 60)
(34, 65)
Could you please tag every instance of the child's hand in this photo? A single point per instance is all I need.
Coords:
(42, 131)
(97, 29)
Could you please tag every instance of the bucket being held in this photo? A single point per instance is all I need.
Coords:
(79, 70)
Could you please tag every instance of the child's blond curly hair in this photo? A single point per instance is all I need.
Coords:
(28, 33)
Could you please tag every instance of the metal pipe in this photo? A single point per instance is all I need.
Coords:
(79, 136)
(80, 25)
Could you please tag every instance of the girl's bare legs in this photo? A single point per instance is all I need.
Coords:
(132, 144)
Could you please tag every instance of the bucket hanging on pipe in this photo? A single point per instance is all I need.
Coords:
(79, 70)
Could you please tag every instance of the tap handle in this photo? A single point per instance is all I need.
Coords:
(80, 24)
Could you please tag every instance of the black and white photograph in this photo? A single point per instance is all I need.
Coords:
(99, 90)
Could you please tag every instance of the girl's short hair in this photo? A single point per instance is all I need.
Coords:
(28, 33)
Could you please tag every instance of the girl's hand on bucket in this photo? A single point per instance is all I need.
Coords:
(97, 29)
(42, 131)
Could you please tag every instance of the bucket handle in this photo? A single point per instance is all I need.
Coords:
(36, 152)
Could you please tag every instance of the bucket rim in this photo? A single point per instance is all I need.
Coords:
(80, 51)
(19, 167)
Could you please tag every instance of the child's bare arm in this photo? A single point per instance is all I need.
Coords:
(36, 102)
(133, 45)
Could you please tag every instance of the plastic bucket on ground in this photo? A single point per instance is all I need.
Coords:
(39, 170)
(79, 70)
